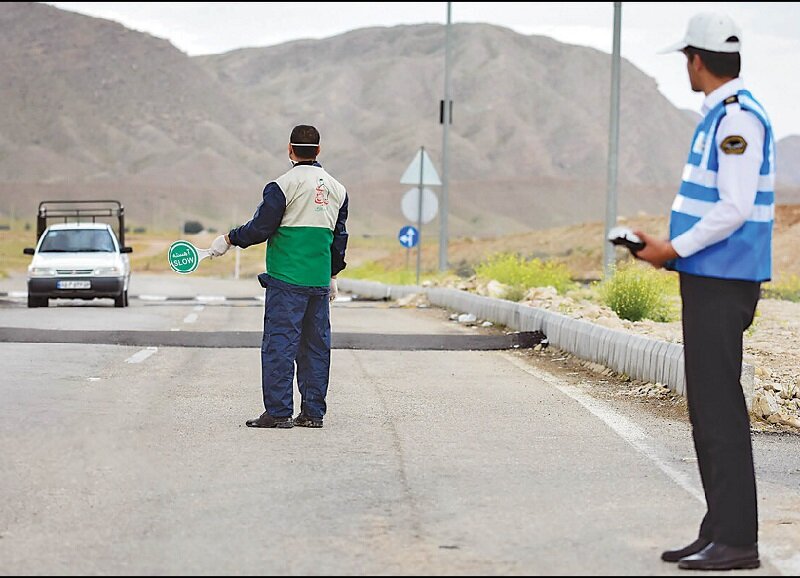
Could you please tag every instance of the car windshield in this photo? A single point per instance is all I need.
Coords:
(78, 241)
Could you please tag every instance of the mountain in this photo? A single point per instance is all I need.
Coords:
(89, 105)
(787, 167)
(530, 132)
(94, 109)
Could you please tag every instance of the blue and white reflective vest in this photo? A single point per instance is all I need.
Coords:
(747, 253)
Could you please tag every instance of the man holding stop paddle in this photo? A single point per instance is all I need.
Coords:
(302, 217)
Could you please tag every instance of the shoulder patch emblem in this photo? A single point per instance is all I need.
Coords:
(733, 145)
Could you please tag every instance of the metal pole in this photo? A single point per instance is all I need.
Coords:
(419, 220)
(234, 212)
(613, 147)
(443, 233)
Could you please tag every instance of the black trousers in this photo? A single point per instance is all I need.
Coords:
(716, 313)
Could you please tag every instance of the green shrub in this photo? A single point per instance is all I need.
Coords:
(788, 289)
(636, 291)
(192, 227)
(521, 275)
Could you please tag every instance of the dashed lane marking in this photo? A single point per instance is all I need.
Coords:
(141, 355)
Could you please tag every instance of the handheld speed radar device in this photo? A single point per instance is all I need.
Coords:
(625, 237)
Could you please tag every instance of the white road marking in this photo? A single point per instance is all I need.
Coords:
(18, 294)
(643, 443)
(191, 318)
(199, 308)
(141, 355)
(152, 297)
(209, 298)
(94, 379)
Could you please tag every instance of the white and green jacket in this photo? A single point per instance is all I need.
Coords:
(302, 216)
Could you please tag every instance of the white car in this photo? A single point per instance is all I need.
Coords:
(78, 261)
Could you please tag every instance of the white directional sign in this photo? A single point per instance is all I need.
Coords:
(410, 205)
(429, 174)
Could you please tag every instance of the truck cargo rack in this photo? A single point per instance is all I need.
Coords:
(80, 212)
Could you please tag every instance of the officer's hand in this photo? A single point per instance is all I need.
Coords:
(656, 251)
(219, 247)
(334, 290)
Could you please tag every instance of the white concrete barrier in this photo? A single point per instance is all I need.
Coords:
(636, 356)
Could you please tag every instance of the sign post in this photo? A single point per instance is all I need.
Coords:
(419, 214)
(421, 171)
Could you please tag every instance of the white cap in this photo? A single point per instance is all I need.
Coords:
(710, 31)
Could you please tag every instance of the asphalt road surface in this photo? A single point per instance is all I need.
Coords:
(136, 460)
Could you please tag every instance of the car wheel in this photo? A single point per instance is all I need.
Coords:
(127, 301)
(37, 301)
(119, 300)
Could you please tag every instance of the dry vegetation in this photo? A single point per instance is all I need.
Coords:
(579, 247)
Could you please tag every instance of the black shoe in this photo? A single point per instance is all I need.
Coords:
(266, 420)
(305, 420)
(693, 548)
(718, 556)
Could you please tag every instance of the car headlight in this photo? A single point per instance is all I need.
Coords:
(42, 272)
(106, 271)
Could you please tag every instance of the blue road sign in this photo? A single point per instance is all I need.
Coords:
(408, 237)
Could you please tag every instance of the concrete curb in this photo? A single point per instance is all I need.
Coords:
(639, 357)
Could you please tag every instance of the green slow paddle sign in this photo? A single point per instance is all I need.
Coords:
(184, 257)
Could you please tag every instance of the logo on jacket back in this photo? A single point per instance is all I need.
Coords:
(323, 195)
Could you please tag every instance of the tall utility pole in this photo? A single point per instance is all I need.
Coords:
(446, 119)
(613, 147)
(419, 208)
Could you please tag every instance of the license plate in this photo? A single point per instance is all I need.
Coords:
(73, 285)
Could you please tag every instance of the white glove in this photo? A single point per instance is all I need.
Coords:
(219, 247)
(334, 290)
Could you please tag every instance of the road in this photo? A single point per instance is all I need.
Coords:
(123, 460)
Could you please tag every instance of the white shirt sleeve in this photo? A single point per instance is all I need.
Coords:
(737, 181)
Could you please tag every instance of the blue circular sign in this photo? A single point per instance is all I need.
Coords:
(408, 237)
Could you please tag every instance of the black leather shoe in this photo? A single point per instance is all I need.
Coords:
(693, 548)
(305, 420)
(266, 420)
(717, 556)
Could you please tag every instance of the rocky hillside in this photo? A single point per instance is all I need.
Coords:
(94, 109)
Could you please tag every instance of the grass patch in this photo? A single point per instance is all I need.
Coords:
(637, 292)
(12, 242)
(374, 271)
(520, 274)
(788, 289)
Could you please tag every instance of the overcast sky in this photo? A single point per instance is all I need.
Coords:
(770, 30)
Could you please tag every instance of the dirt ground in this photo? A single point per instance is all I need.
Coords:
(580, 247)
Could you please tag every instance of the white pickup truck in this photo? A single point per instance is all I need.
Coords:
(77, 260)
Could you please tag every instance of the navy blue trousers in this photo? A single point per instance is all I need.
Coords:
(297, 330)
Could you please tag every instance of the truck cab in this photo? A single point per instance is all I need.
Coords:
(79, 258)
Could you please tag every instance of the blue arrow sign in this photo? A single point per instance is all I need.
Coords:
(408, 237)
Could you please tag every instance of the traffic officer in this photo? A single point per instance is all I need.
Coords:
(721, 245)
(302, 216)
